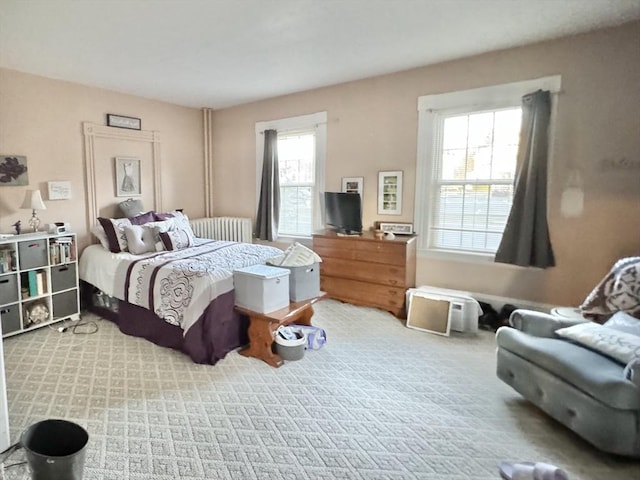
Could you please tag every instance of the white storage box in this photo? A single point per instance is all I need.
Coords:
(463, 309)
(261, 288)
(304, 282)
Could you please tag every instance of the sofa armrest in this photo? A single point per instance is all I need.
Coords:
(540, 324)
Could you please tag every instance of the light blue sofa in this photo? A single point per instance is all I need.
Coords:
(584, 390)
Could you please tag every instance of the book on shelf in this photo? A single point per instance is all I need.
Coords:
(33, 283)
(40, 283)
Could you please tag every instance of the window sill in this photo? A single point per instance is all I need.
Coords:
(452, 255)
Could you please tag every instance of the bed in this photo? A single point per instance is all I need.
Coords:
(182, 299)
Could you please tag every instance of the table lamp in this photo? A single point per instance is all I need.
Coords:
(33, 200)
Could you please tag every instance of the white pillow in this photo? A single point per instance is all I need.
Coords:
(100, 234)
(140, 239)
(619, 345)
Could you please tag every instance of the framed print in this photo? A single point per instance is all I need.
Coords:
(352, 185)
(127, 177)
(13, 171)
(121, 121)
(59, 190)
(390, 193)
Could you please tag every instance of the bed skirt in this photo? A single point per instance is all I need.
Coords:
(219, 330)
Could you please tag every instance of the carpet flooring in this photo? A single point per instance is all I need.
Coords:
(378, 401)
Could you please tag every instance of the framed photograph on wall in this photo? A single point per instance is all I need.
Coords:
(390, 192)
(353, 185)
(127, 177)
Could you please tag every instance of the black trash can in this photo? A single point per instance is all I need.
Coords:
(55, 450)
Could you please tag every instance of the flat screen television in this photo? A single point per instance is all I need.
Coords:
(343, 212)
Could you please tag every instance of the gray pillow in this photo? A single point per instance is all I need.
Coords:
(131, 207)
(624, 322)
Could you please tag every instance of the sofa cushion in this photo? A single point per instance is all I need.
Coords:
(590, 372)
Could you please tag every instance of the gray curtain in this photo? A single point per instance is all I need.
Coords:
(525, 241)
(269, 205)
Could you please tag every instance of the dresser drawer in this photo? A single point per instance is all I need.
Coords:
(334, 248)
(33, 254)
(365, 271)
(8, 288)
(364, 293)
(382, 252)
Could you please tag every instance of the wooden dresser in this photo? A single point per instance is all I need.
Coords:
(365, 271)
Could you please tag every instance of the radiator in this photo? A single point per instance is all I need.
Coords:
(236, 229)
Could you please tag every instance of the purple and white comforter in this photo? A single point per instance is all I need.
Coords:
(179, 285)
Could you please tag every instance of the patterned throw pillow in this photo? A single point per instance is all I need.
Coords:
(618, 345)
(114, 229)
(619, 291)
(176, 239)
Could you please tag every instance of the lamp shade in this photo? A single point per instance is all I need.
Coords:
(33, 200)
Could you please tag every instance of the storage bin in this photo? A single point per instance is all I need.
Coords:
(261, 288)
(8, 288)
(291, 349)
(304, 282)
(63, 277)
(10, 317)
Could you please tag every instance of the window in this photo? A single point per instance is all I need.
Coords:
(467, 151)
(296, 160)
(301, 160)
(472, 189)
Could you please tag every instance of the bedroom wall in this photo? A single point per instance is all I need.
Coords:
(372, 126)
(42, 119)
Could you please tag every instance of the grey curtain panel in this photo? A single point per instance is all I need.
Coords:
(269, 205)
(526, 241)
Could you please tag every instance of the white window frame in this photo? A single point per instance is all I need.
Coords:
(317, 122)
(431, 109)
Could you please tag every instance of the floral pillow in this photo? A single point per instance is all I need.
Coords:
(176, 239)
(114, 230)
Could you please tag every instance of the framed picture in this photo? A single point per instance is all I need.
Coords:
(127, 177)
(390, 193)
(397, 227)
(352, 185)
(59, 190)
(13, 171)
(121, 121)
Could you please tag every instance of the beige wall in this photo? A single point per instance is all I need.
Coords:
(42, 119)
(372, 126)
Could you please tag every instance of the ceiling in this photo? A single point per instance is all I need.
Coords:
(220, 53)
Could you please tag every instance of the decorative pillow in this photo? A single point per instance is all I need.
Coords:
(619, 291)
(143, 218)
(623, 322)
(99, 233)
(177, 239)
(181, 221)
(620, 346)
(114, 229)
(162, 216)
(131, 208)
(140, 239)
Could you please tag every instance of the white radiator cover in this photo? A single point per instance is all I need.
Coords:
(236, 229)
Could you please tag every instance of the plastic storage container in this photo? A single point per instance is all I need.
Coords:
(261, 288)
(291, 349)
